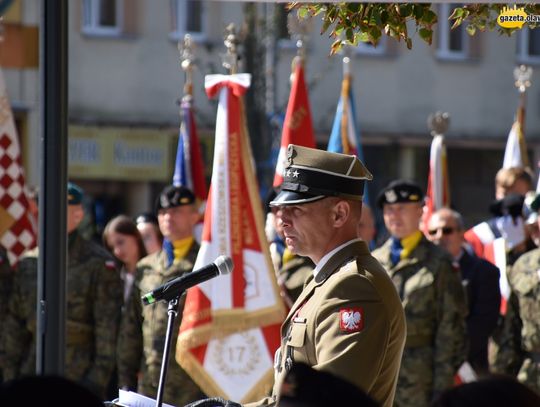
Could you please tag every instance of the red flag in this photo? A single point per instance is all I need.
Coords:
(17, 233)
(438, 190)
(230, 325)
(297, 127)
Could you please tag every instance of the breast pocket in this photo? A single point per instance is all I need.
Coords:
(297, 336)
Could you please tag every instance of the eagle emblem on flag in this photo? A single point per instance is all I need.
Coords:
(351, 319)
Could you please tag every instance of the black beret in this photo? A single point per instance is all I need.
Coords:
(75, 194)
(173, 196)
(400, 191)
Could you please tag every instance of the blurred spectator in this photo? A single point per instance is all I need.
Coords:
(512, 180)
(148, 226)
(366, 227)
(6, 283)
(46, 391)
(122, 238)
(492, 391)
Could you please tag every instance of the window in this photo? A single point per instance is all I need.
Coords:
(528, 46)
(188, 18)
(451, 44)
(368, 49)
(102, 17)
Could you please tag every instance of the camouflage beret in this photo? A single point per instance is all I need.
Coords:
(400, 191)
(75, 194)
(173, 196)
(311, 174)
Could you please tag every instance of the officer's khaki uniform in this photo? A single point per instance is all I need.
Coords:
(433, 298)
(142, 334)
(523, 312)
(313, 333)
(94, 301)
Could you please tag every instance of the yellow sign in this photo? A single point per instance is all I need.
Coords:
(515, 17)
(120, 153)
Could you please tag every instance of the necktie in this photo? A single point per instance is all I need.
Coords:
(395, 251)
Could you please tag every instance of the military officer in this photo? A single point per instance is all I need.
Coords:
(348, 320)
(432, 295)
(6, 282)
(520, 336)
(142, 334)
(94, 301)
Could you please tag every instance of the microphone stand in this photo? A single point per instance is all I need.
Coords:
(172, 312)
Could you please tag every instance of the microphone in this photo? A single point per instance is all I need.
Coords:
(174, 288)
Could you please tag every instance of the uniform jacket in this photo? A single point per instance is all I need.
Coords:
(481, 281)
(142, 334)
(520, 336)
(6, 283)
(94, 301)
(365, 351)
(435, 309)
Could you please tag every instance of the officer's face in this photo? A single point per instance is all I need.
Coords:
(402, 219)
(178, 222)
(308, 228)
(443, 231)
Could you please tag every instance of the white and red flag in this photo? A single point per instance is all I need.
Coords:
(230, 325)
(297, 127)
(17, 231)
(438, 189)
(515, 153)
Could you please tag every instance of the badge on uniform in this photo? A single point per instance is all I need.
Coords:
(351, 319)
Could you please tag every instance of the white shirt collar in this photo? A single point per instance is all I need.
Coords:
(327, 256)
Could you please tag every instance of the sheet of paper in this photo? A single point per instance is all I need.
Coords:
(132, 399)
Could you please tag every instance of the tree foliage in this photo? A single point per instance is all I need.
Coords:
(351, 23)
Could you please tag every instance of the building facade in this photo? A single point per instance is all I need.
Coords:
(125, 81)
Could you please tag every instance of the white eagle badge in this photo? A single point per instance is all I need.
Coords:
(351, 319)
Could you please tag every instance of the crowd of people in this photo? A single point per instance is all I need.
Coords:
(397, 325)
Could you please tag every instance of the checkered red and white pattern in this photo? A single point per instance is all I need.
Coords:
(16, 224)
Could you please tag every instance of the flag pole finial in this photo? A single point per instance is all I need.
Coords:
(522, 77)
(299, 29)
(187, 63)
(438, 123)
(231, 41)
(347, 51)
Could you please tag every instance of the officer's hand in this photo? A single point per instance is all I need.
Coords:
(213, 402)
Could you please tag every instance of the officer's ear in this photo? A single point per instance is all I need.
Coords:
(341, 213)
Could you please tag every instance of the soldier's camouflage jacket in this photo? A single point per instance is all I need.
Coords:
(94, 300)
(435, 309)
(519, 342)
(142, 333)
(6, 281)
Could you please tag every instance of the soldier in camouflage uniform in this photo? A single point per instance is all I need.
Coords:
(432, 295)
(520, 335)
(142, 334)
(94, 300)
(6, 282)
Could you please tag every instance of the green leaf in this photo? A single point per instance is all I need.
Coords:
(349, 34)
(425, 34)
(471, 29)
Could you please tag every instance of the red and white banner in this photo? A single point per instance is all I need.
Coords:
(438, 189)
(230, 326)
(515, 153)
(487, 246)
(17, 231)
(297, 127)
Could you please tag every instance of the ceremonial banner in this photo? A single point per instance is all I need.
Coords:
(297, 127)
(345, 137)
(17, 232)
(189, 166)
(438, 190)
(230, 326)
(515, 153)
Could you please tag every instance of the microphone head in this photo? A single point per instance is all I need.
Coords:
(224, 264)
